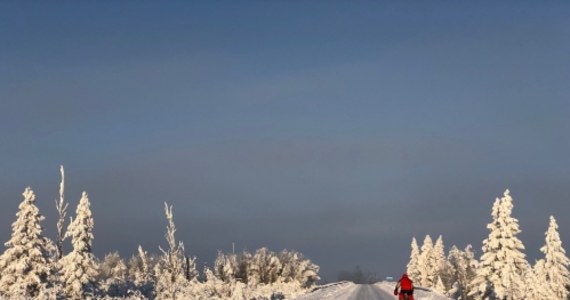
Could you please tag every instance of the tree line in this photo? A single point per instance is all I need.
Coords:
(502, 271)
(35, 267)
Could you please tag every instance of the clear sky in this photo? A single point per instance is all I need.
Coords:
(340, 129)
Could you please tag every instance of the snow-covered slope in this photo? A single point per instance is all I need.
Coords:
(351, 291)
(340, 290)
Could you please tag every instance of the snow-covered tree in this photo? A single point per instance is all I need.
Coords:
(139, 272)
(427, 264)
(145, 269)
(439, 286)
(481, 287)
(536, 287)
(225, 267)
(307, 273)
(265, 267)
(25, 266)
(289, 261)
(253, 272)
(78, 268)
(171, 273)
(113, 266)
(114, 280)
(443, 269)
(413, 268)
(463, 264)
(190, 271)
(439, 253)
(61, 207)
(556, 263)
(502, 264)
(217, 287)
(295, 267)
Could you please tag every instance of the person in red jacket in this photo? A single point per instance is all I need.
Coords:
(405, 287)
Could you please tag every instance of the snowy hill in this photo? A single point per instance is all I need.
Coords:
(351, 291)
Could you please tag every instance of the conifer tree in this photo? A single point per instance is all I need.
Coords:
(503, 264)
(481, 287)
(427, 263)
(25, 266)
(442, 266)
(439, 287)
(536, 286)
(463, 264)
(413, 268)
(556, 263)
(439, 253)
(79, 267)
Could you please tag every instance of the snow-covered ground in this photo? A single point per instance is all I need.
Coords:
(351, 291)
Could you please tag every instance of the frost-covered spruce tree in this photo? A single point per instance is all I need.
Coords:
(439, 286)
(413, 268)
(26, 267)
(442, 266)
(536, 287)
(555, 263)
(455, 260)
(502, 266)
(427, 263)
(78, 268)
(481, 286)
(439, 253)
(463, 264)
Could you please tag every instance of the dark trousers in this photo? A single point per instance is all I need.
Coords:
(410, 294)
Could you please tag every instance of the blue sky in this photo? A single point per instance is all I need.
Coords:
(340, 129)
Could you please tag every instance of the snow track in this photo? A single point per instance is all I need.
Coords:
(351, 291)
(370, 291)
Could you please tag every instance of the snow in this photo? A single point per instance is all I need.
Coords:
(351, 291)
(340, 290)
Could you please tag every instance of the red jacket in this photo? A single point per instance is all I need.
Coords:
(405, 283)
